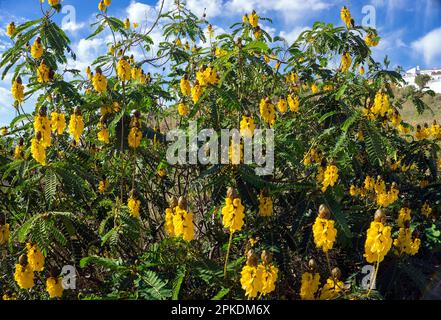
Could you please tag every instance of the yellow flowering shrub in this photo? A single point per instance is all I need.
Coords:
(88, 168)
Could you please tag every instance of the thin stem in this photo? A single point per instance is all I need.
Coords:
(228, 254)
(374, 278)
(328, 262)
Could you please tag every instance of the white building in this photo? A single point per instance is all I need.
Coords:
(435, 75)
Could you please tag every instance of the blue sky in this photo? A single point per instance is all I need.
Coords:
(410, 30)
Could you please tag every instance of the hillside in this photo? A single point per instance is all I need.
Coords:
(410, 114)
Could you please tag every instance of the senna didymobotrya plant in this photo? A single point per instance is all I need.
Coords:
(85, 180)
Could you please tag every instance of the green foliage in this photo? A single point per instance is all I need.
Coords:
(75, 208)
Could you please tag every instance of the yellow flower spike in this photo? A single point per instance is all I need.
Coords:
(42, 125)
(258, 34)
(134, 205)
(267, 111)
(378, 239)
(282, 105)
(103, 133)
(201, 76)
(102, 186)
(183, 221)
(210, 76)
(107, 2)
(268, 272)
(53, 2)
(43, 73)
(253, 19)
(381, 104)
(353, 191)
(323, 230)
(435, 130)
(76, 124)
(127, 23)
(105, 110)
(124, 70)
(403, 216)
(292, 77)
(404, 243)
(293, 103)
(136, 73)
(18, 155)
(58, 122)
(371, 40)
(310, 282)
(333, 286)
(17, 90)
(182, 109)
(169, 227)
(247, 126)
(4, 232)
(345, 15)
(24, 275)
(10, 29)
(38, 150)
(135, 134)
(35, 257)
(54, 284)
(426, 210)
(196, 92)
(185, 86)
(169, 214)
(330, 177)
(251, 276)
(135, 137)
(99, 81)
(233, 212)
(346, 62)
(116, 106)
(37, 49)
(265, 204)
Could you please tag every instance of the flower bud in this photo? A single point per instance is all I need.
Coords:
(324, 211)
(266, 257)
(252, 258)
(182, 203)
(336, 273)
(380, 216)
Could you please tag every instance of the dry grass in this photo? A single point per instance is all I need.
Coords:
(410, 114)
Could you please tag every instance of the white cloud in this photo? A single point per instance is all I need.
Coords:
(87, 51)
(391, 41)
(72, 26)
(140, 12)
(292, 35)
(291, 9)
(6, 109)
(429, 46)
(212, 8)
